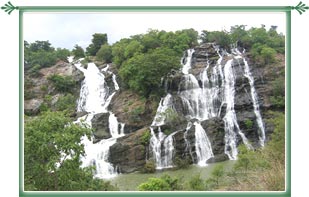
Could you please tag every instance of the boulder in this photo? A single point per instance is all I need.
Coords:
(100, 126)
(32, 106)
(129, 153)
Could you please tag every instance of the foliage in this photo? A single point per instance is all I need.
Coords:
(221, 38)
(149, 167)
(145, 138)
(182, 163)
(278, 101)
(217, 174)
(98, 40)
(136, 113)
(267, 165)
(143, 72)
(62, 54)
(66, 103)
(41, 54)
(248, 123)
(62, 83)
(154, 184)
(104, 54)
(196, 183)
(78, 52)
(51, 155)
(268, 54)
(164, 183)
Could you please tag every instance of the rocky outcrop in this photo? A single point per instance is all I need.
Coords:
(100, 126)
(184, 141)
(38, 86)
(32, 106)
(129, 153)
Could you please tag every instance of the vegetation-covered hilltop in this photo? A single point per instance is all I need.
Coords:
(52, 85)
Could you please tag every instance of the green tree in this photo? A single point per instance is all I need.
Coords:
(143, 72)
(42, 58)
(221, 38)
(62, 54)
(118, 51)
(41, 45)
(63, 83)
(98, 40)
(268, 54)
(52, 153)
(78, 52)
(105, 53)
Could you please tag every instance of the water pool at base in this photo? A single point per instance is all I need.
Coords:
(130, 182)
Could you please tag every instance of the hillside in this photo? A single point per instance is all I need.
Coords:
(158, 100)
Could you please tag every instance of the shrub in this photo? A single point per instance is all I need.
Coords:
(196, 183)
(149, 167)
(164, 183)
(182, 163)
(104, 54)
(62, 83)
(78, 52)
(67, 102)
(154, 184)
(248, 123)
(145, 138)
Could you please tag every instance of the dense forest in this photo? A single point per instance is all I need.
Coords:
(52, 147)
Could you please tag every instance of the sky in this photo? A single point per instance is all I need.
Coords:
(67, 29)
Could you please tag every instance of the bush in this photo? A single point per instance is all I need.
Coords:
(154, 184)
(67, 102)
(62, 83)
(149, 167)
(104, 54)
(248, 123)
(182, 163)
(196, 183)
(145, 138)
(164, 183)
(78, 52)
(135, 114)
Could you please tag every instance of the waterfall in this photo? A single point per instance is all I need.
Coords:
(95, 96)
(162, 148)
(261, 131)
(202, 145)
(230, 119)
(203, 96)
(187, 66)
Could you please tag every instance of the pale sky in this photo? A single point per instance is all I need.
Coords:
(67, 29)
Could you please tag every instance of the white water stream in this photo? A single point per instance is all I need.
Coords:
(95, 96)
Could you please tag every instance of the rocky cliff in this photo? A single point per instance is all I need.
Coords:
(126, 152)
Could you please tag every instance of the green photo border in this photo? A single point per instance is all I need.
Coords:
(283, 9)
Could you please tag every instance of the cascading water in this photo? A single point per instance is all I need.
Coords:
(202, 145)
(254, 97)
(95, 96)
(203, 97)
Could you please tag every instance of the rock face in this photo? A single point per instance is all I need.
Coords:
(129, 155)
(100, 125)
(37, 87)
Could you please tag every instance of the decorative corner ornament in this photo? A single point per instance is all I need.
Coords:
(300, 8)
(8, 7)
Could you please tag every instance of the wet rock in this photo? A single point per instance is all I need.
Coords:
(129, 153)
(100, 126)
